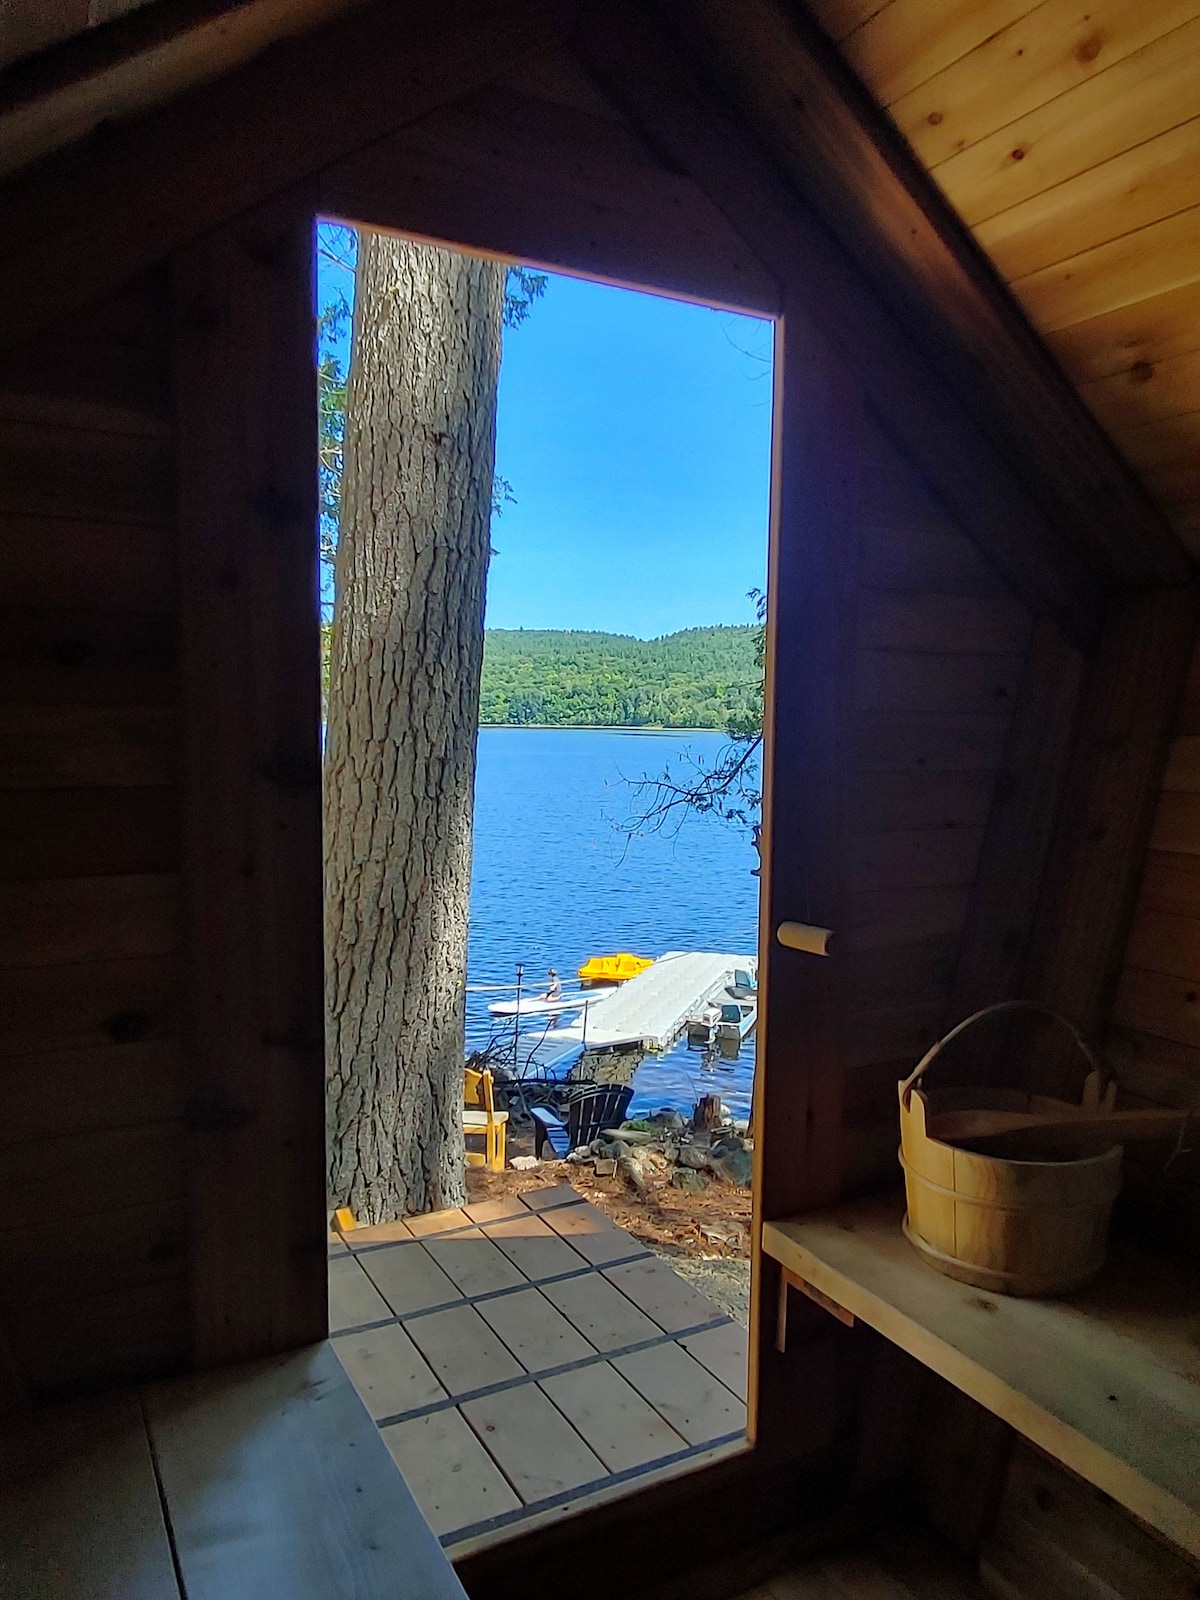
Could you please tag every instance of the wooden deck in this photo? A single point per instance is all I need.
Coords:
(524, 1358)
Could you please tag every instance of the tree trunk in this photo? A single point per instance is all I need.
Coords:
(407, 650)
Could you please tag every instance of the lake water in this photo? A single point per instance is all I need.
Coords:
(555, 882)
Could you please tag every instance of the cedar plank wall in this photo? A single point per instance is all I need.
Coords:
(941, 644)
(92, 1268)
(1154, 1043)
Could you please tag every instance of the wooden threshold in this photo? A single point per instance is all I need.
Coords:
(1107, 1381)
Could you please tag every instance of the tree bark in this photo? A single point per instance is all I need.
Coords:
(406, 654)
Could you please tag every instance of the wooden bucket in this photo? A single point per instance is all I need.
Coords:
(1022, 1227)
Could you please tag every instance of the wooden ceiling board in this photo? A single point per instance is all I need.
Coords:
(1168, 444)
(1146, 392)
(1048, 52)
(906, 44)
(1140, 96)
(1144, 332)
(1130, 191)
(542, 181)
(841, 17)
(1164, 255)
(1066, 135)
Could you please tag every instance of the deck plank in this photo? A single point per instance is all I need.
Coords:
(589, 1231)
(380, 1233)
(463, 1350)
(408, 1279)
(539, 1336)
(534, 1247)
(388, 1371)
(541, 1453)
(723, 1351)
(695, 1403)
(280, 1486)
(612, 1417)
(436, 1222)
(661, 1294)
(452, 1478)
(80, 1517)
(550, 1198)
(474, 1263)
(353, 1298)
(601, 1313)
(482, 1212)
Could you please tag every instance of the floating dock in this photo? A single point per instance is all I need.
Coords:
(653, 1008)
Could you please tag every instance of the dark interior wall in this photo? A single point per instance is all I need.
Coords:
(1154, 1042)
(92, 1224)
(93, 1158)
(1055, 1536)
(941, 645)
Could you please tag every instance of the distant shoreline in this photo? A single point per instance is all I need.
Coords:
(595, 727)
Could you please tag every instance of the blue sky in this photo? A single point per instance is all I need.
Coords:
(635, 432)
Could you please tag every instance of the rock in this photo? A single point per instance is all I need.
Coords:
(630, 1135)
(688, 1178)
(631, 1170)
(667, 1118)
(605, 1167)
(742, 1128)
(524, 1163)
(691, 1155)
(726, 1143)
(735, 1166)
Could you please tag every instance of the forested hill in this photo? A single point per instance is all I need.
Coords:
(700, 678)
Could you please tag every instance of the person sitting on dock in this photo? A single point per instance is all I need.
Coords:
(554, 991)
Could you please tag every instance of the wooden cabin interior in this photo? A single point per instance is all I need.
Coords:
(977, 223)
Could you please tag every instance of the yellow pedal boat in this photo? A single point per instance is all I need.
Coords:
(613, 969)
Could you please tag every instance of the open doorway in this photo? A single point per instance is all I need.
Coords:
(605, 967)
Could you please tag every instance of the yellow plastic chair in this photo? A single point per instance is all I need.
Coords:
(481, 1117)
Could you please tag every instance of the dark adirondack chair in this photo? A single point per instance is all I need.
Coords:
(589, 1109)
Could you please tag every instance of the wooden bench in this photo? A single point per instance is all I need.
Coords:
(1107, 1381)
(268, 1481)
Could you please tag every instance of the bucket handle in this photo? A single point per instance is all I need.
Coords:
(927, 1060)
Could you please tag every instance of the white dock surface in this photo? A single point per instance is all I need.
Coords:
(654, 1006)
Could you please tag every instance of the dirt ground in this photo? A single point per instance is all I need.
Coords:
(705, 1235)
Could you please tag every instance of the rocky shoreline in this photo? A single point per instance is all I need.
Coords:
(682, 1191)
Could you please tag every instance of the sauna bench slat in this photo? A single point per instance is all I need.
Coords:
(1107, 1380)
(267, 1480)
